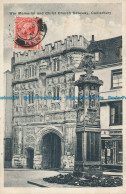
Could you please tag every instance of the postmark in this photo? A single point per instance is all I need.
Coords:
(29, 33)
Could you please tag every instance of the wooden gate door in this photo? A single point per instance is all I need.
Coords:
(51, 151)
(30, 156)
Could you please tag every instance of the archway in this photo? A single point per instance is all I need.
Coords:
(51, 151)
(30, 156)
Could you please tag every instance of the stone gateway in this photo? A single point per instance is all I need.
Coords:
(44, 131)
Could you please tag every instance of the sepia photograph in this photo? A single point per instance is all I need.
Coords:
(63, 95)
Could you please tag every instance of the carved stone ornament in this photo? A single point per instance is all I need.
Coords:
(92, 116)
(88, 64)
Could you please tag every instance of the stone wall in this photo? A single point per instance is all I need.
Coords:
(32, 137)
(58, 47)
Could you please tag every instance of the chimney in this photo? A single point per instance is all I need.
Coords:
(92, 38)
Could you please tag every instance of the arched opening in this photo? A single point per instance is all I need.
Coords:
(51, 151)
(30, 156)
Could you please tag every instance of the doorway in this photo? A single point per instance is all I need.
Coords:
(51, 151)
(30, 156)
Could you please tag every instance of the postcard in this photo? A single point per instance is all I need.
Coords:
(62, 97)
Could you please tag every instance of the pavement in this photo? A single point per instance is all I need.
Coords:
(19, 177)
(33, 178)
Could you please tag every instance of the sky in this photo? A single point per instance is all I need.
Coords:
(102, 26)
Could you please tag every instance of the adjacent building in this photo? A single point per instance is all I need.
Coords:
(8, 120)
(108, 54)
(44, 130)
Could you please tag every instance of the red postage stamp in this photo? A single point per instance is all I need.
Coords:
(29, 33)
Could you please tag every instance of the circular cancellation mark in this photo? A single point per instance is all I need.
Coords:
(29, 32)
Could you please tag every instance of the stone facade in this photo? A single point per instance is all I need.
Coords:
(50, 72)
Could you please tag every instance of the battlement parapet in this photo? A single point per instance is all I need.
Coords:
(73, 41)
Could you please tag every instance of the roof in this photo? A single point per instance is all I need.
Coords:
(108, 48)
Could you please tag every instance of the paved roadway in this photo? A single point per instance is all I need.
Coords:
(19, 178)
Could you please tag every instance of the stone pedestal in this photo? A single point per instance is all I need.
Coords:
(88, 133)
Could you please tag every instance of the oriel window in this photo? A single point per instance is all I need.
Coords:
(17, 74)
(32, 71)
(117, 78)
(26, 73)
(56, 91)
(96, 56)
(56, 65)
(116, 113)
(31, 95)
